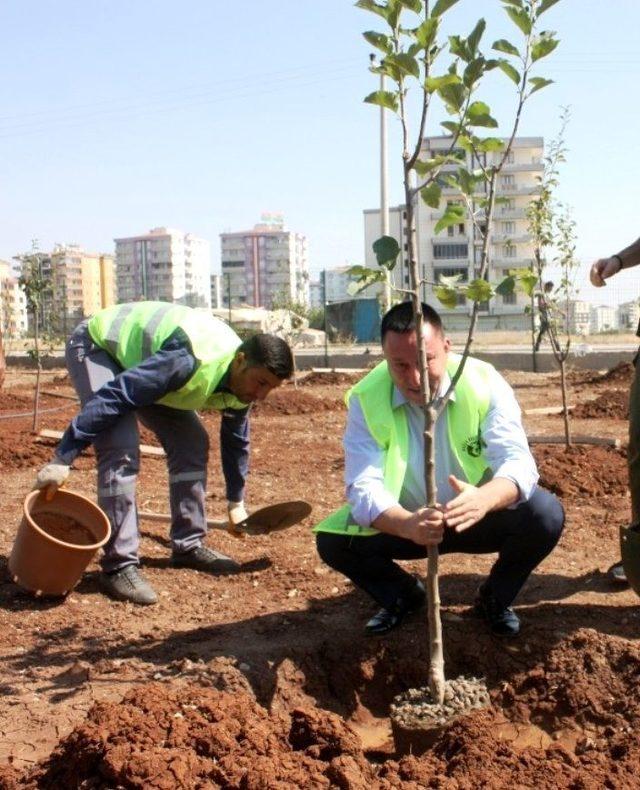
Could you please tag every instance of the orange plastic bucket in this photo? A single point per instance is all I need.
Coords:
(55, 542)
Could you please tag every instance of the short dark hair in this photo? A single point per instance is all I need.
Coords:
(400, 319)
(270, 352)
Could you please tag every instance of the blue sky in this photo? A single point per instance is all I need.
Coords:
(121, 116)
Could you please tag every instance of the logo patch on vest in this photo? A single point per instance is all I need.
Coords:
(473, 445)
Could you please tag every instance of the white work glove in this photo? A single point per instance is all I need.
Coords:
(51, 477)
(237, 514)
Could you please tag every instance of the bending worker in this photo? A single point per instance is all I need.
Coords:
(601, 270)
(161, 362)
(485, 478)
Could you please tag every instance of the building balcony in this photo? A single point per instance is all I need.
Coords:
(523, 167)
(504, 190)
(508, 238)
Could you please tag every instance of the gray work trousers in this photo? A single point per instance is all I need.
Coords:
(634, 443)
(185, 443)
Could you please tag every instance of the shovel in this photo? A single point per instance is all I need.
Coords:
(264, 521)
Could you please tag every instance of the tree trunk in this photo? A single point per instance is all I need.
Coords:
(36, 397)
(565, 410)
(3, 362)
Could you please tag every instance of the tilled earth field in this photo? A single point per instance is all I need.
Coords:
(264, 679)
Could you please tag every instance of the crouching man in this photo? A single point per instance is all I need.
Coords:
(486, 479)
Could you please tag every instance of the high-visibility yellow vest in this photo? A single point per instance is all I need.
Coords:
(389, 428)
(132, 332)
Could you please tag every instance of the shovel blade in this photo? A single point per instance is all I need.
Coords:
(275, 517)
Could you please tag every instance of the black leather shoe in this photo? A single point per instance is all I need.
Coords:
(386, 620)
(502, 620)
(205, 559)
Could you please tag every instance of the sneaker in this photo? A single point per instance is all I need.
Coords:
(204, 559)
(502, 620)
(616, 574)
(386, 620)
(127, 584)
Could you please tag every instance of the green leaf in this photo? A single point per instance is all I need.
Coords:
(537, 83)
(425, 166)
(454, 213)
(449, 280)
(383, 99)
(502, 45)
(404, 62)
(433, 84)
(379, 41)
(467, 181)
(488, 144)
(431, 194)
(543, 46)
(453, 95)
(516, 3)
(506, 286)
(370, 5)
(510, 71)
(479, 290)
(521, 18)
(412, 5)
(426, 32)
(447, 297)
(450, 126)
(442, 6)
(545, 5)
(386, 250)
(527, 281)
(478, 114)
(460, 48)
(476, 34)
(473, 72)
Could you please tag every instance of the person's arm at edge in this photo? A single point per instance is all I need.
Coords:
(604, 268)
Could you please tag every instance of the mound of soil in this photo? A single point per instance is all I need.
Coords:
(568, 721)
(580, 470)
(612, 404)
(292, 401)
(188, 737)
(623, 372)
(332, 377)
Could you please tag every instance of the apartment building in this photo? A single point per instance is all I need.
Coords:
(13, 304)
(579, 317)
(77, 284)
(604, 318)
(457, 249)
(82, 283)
(264, 265)
(164, 264)
(629, 315)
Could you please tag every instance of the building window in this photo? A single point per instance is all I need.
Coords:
(511, 158)
(508, 227)
(508, 180)
(450, 251)
(509, 251)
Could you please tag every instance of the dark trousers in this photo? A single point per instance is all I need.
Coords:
(522, 538)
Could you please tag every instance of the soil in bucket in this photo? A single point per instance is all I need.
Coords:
(417, 721)
(55, 542)
(64, 528)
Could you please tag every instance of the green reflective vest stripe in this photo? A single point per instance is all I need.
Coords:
(132, 332)
(389, 428)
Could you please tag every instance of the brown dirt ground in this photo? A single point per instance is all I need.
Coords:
(264, 679)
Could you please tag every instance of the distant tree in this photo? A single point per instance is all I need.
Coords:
(553, 232)
(34, 285)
